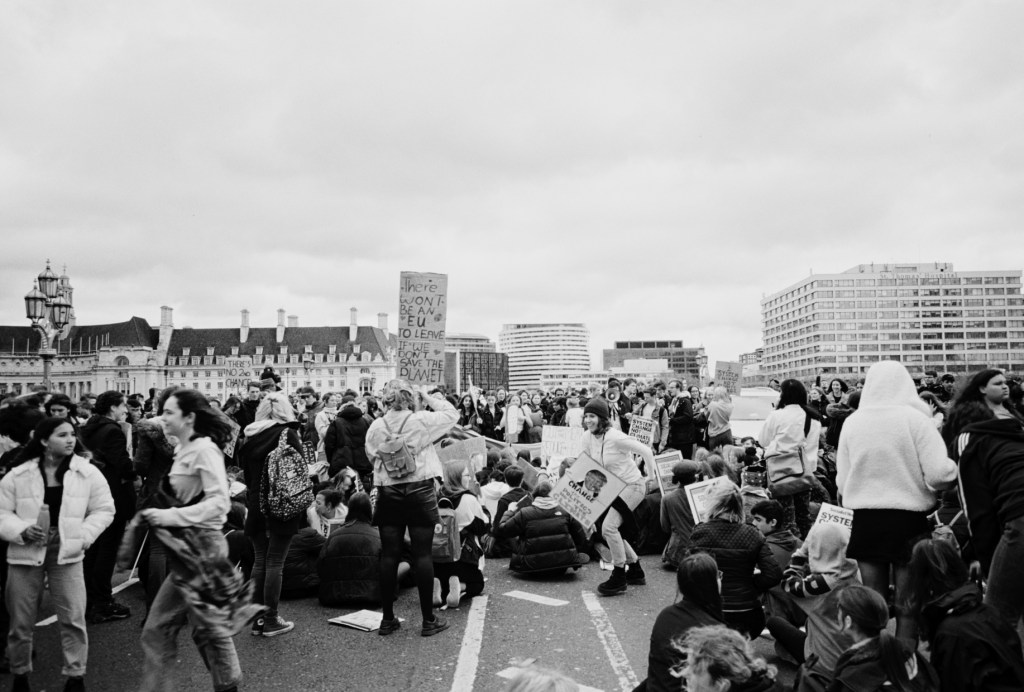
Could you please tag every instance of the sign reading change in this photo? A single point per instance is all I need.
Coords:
(422, 313)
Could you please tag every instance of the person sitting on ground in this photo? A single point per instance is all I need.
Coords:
(463, 578)
(718, 659)
(493, 491)
(327, 512)
(877, 661)
(818, 572)
(699, 605)
(972, 648)
(517, 497)
(299, 579)
(739, 549)
(766, 516)
(720, 468)
(550, 541)
(676, 515)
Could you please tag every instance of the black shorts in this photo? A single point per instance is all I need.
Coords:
(406, 504)
(886, 535)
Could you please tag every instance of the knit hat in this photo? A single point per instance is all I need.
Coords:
(614, 382)
(599, 407)
(269, 379)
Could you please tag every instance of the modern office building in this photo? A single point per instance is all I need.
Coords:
(535, 349)
(466, 343)
(488, 371)
(685, 362)
(925, 315)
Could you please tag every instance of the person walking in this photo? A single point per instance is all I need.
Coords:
(719, 415)
(53, 506)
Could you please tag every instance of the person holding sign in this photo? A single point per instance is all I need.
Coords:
(612, 449)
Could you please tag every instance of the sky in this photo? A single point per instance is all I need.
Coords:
(651, 170)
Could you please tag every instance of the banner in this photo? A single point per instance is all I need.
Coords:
(698, 494)
(472, 449)
(728, 374)
(586, 490)
(559, 441)
(422, 314)
(831, 514)
(238, 373)
(663, 464)
(642, 430)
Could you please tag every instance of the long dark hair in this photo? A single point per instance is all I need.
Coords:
(794, 392)
(870, 614)
(210, 422)
(36, 447)
(935, 570)
(969, 405)
(697, 579)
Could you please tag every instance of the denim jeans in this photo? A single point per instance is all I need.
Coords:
(1006, 574)
(67, 589)
(167, 616)
(271, 550)
(621, 551)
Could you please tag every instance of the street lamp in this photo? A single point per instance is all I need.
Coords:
(49, 312)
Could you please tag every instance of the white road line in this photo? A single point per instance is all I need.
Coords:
(543, 600)
(510, 673)
(472, 640)
(610, 641)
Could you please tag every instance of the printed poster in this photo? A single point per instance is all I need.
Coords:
(586, 490)
(559, 441)
(698, 494)
(471, 449)
(831, 514)
(663, 464)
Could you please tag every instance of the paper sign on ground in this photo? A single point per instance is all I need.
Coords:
(422, 315)
(728, 375)
(471, 449)
(642, 429)
(586, 490)
(663, 464)
(363, 620)
(560, 441)
(698, 494)
(831, 514)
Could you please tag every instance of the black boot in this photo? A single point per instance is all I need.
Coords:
(74, 684)
(20, 683)
(616, 583)
(635, 574)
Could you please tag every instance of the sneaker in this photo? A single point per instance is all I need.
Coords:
(434, 626)
(118, 611)
(454, 592)
(20, 683)
(438, 601)
(257, 627)
(106, 612)
(274, 625)
(74, 684)
(635, 574)
(615, 585)
(389, 626)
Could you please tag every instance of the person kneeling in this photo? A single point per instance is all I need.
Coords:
(550, 541)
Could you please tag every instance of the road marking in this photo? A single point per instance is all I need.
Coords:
(543, 600)
(510, 673)
(610, 641)
(472, 640)
(131, 581)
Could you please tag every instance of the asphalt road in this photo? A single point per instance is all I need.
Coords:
(600, 642)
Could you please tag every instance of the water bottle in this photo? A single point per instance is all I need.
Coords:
(43, 521)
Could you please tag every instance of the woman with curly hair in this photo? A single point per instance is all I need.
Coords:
(718, 659)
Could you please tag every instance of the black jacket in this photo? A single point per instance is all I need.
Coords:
(860, 669)
(153, 456)
(837, 415)
(738, 549)
(549, 539)
(672, 623)
(345, 442)
(990, 455)
(252, 457)
(109, 446)
(349, 566)
(973, 648)
(299, 577)
(682, 430)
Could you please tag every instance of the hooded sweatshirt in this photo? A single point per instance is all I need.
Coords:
(890, 455)
(991, 471)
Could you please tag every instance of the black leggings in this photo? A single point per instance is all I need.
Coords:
(391, 539)
(789, 637)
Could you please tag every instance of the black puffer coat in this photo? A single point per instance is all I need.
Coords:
(349, 566)
(738, 549)
(345, 442)
(549, 539)
(299, 577)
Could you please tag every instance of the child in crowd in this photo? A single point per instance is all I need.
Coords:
(766, 516)
(573, 414)
(492, 488)
(676, 515)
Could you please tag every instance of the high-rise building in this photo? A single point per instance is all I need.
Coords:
(683, 361)
(925, 315)
(488, 371)
(466, 343)
(535, 349)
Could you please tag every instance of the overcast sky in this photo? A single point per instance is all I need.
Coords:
(649, 169)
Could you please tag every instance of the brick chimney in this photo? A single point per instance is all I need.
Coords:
(353, 326)
(280, 325)
(293, 321)
(243, 332)
(382, 321)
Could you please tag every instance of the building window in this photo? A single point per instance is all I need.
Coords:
(120, 362)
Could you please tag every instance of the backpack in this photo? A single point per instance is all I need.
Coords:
(286, 491)
(397, 457)
(447, 543)
(944, 532)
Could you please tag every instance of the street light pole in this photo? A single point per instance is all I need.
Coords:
(46, 305)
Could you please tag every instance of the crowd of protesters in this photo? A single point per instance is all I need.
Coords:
(185, 487)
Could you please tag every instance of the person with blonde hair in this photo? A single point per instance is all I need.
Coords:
(537, 679)
(719, 659)
(463, 578)
(719, 415)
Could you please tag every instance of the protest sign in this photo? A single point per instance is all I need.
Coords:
(530, 473)
(471, 449)
(663, 464)
(728, 374)
(586, 490)
(698, 494)
(238, 373)
(229, 447)
(422, 314)
(831, 514)
(559, 441)
(642, 429)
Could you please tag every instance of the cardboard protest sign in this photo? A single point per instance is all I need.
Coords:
(586, 490)
(238, 373)
(559, 441)
(642, 429)
(663, 464)
(530, 473)
(534, 449)
(728, 374)
(422, 315)
(698, 494)
(229, 448)
(471, 449)
(831, 514)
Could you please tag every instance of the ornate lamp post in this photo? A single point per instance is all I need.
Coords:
(50, 312)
